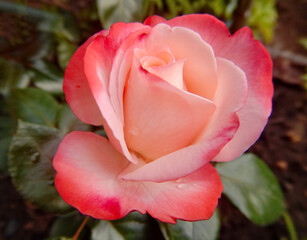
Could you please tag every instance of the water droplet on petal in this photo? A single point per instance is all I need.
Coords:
(180, 180)
(134, 131)
(181, 186)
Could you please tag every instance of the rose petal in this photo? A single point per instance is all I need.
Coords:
(154, 20)
(77, 91)
(162, 64)
(87, 167)
(191, 198)
(98, 61)
(249, 55)
(207, 26)
(256, 63)
(229, 97)
(184, 161)
(171, 73)
(160, 118)
(199, 71)
(96, 68)
(85, 163)
(121, 67)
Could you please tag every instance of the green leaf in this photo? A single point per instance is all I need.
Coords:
(66, 225)
(69, 27)
(35, 106)
(47, 70)
(65, 50)
(6, 125)
(47, 77)
(113, 11)
(186, 6)
(12, 75)
(105, 230)
(4, 147)
(173, 8)
(101, 132)
(230, 8)
(6, 122)
(304, 78)
(69, 122)
(252, 188)
(303, 42)
(52, 87)
(43, 47)
(132, 227)
(59, 24)
(159, 4)
(30, 165)
(200, 230)
(262, 18)
(218, 6)
(6, 131)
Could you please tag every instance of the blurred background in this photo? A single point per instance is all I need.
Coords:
(38, 37)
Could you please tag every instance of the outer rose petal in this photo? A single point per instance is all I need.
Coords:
(154, 20)
(121, 67)
(76, 88)
(96, 70)
(87, 168)
(175, 164)
(98, 61)
(247, 53)
(229, 97)
(256, 63)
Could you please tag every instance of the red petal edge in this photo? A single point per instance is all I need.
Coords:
(87, 168)
(76, 88)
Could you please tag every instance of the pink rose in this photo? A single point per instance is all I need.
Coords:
(172, 96)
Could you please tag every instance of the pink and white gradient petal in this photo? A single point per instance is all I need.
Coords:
(256, 63)
(77, 91)
(96, 69)
(121, 66)
(159, 117)
(184, 161)
(230, 96)
(98, 62)
(171, 73)
(254, 60)
(87, 178)
(199, 70)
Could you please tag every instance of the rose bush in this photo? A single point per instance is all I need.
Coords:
(172, 96)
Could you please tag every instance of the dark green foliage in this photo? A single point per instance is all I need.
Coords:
(30, 165)
(252, 188)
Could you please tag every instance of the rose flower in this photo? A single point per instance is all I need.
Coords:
(172, 97)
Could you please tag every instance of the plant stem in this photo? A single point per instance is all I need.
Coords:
(290, 226)
(75, 237)
(239, 16)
